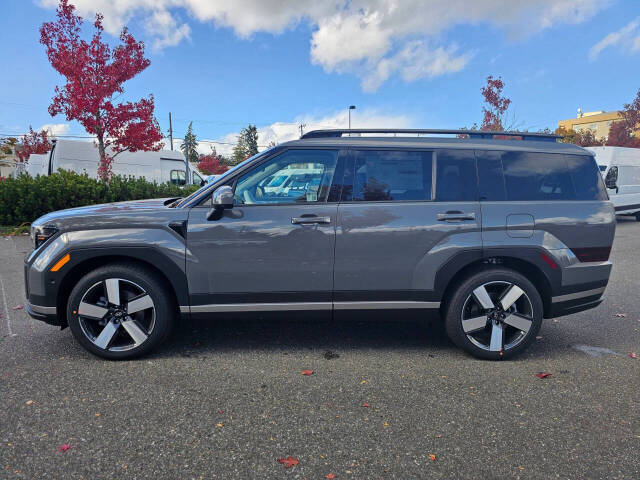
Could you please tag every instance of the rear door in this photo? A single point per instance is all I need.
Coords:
(403, 215)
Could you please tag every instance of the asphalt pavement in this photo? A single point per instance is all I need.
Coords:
(388, 398)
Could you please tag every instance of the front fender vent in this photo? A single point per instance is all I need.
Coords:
(180, 228)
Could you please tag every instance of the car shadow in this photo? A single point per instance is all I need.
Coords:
(196, 337)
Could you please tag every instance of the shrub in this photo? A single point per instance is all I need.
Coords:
(26, 198)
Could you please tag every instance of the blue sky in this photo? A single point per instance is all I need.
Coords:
(418, 64)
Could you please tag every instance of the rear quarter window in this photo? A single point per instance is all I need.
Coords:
(533, 176)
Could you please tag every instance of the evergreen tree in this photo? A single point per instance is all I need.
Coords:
(247, 145)
(192, 139)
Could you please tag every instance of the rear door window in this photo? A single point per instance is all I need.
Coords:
(389, 175)
(456, 179)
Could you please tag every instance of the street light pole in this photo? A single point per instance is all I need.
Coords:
(351, 107)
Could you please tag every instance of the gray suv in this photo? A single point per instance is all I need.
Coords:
(492, 231)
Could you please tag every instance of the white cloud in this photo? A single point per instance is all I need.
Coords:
(55, 129)
(628, 38)
(280, 132)
(373, 39)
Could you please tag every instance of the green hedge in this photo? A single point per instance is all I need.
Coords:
(26, 198)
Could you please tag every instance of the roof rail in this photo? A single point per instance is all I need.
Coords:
(338, 132)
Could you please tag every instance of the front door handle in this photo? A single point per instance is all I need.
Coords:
(310, 220)
(455, 216)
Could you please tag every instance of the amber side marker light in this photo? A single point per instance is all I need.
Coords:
(61, 263)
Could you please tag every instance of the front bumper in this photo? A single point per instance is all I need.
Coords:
(44, 314)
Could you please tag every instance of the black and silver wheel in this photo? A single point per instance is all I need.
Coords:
(494, 314)
(119, 311)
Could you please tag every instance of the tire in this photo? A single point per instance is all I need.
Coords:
(120, 311)
(504, 332)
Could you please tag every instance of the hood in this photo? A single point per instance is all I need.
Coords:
(98, 213)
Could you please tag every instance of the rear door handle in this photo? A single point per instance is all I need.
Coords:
(455, 216)
(310, 220)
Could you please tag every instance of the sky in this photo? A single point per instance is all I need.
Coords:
(281, 63)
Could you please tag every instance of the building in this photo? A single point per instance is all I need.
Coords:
(598, 122)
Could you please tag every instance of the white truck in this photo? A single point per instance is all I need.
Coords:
(82, 157)
(620, 168)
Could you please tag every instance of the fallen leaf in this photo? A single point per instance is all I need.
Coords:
(432, 457)
(96, 414)
(386, 424)
(18, 307)
(363, 382)
(289, 461)
(365, 404)
(621, 315)
(220, 412)
(307, 372)
(64, 448)
(543, 375)
(438, 435)
(331, 476)
(29, 402)
(219, 425)
(633, 355)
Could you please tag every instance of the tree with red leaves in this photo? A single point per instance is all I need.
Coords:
(210, 164)
(94, 75)
(623, 132)
(32, 142)
(493, 113)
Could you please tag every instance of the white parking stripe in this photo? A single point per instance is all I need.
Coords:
(6, 309)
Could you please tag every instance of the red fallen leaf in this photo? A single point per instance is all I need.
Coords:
(307, 372)
(289, 461)
(543, 375)
(220, 412)
(365, 404)
(331, 476)
(633, 355)
(18, 307)
(432, 457)
(64, 448)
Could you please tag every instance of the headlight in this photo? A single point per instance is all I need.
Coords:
(41, 234)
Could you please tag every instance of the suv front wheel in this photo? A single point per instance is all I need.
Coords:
(494, 314)
(120, 311)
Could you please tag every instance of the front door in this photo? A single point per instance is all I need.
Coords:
(404, 215)
(274, 250)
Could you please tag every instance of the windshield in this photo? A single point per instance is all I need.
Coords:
(195, 194)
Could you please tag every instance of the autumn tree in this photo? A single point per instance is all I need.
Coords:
(247, 145)
(94, 74)
(623, 132)
(32, 142)
(495, 105)
(583, 137)
(211, 164)
(190, 139)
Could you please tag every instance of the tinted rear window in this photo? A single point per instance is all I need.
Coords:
(529, 176)
(586, 177)
(381, 175)
(456, 176)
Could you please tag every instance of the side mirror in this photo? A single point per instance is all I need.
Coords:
(221, 199)
(612, 178)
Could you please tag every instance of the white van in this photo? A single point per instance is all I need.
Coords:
(620, 168)
(82, 157)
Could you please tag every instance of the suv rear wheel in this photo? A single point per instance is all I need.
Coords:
(120, 311)
(494, 314)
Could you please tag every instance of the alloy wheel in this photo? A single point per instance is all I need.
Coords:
(116, 314)
(497, 316)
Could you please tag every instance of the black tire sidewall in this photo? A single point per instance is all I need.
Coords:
(164, 309)
(453, 318)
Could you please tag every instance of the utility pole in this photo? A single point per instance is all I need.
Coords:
(351, 107)
(302, 125)
(170, 132)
